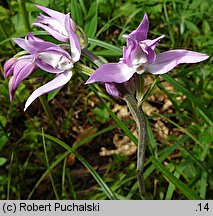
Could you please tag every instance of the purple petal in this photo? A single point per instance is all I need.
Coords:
(54, 14)
(22, 70)
(9, 67)
(56, 83)
(74, 42)
(10, 86)
(112, 72)
(112, 90)
(141, 32)
(32, 44)
(32, 37)
(54, 24)
(23, 43)
(168, 60)
(37, 46)
(52, 32)
(149, 46)
(153, 43)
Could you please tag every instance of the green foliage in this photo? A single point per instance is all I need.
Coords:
(101, 114)
(91, 20)
(56, 163)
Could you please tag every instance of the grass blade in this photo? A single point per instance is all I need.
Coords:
(76, 13)
(63, 156)
(48, 167)
(105, 45)
(189, 193)
(9, 176)
(181, 128)
(53, 165)
(96, 176)
(191, 97)
(178, 172)
(117, 120)
(92, 20)
(203, 184)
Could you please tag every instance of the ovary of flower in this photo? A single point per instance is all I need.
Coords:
(57, 61)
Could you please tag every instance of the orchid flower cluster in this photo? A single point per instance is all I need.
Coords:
(138, 56)
(45, 55)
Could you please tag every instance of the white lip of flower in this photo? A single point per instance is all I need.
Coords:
(140, 63)
(56, 61)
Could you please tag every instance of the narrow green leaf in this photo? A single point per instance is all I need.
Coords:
(48, 167)
(92, 20)
(117, 120)
(2, 161)
(52, 94)
(164, 154)
(152, 141)
(149, 91)
(53, 165)
(96, 176)
(106, 52)
(105, 45)
(179, 170)
(140, 88)
(63, 156)
(63, 179)
(191, 97)
(189, 193)
(181, 128)
(203, 184)
(71, 187)
(76, 12)
(192, 27)
(206, 27)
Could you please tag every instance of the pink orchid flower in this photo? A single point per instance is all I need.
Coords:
(139, 56)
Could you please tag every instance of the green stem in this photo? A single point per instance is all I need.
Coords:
(6, 36)
(139, 117)
(23, 10)
(48, 112)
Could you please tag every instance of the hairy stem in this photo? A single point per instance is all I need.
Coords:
(139, 118)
